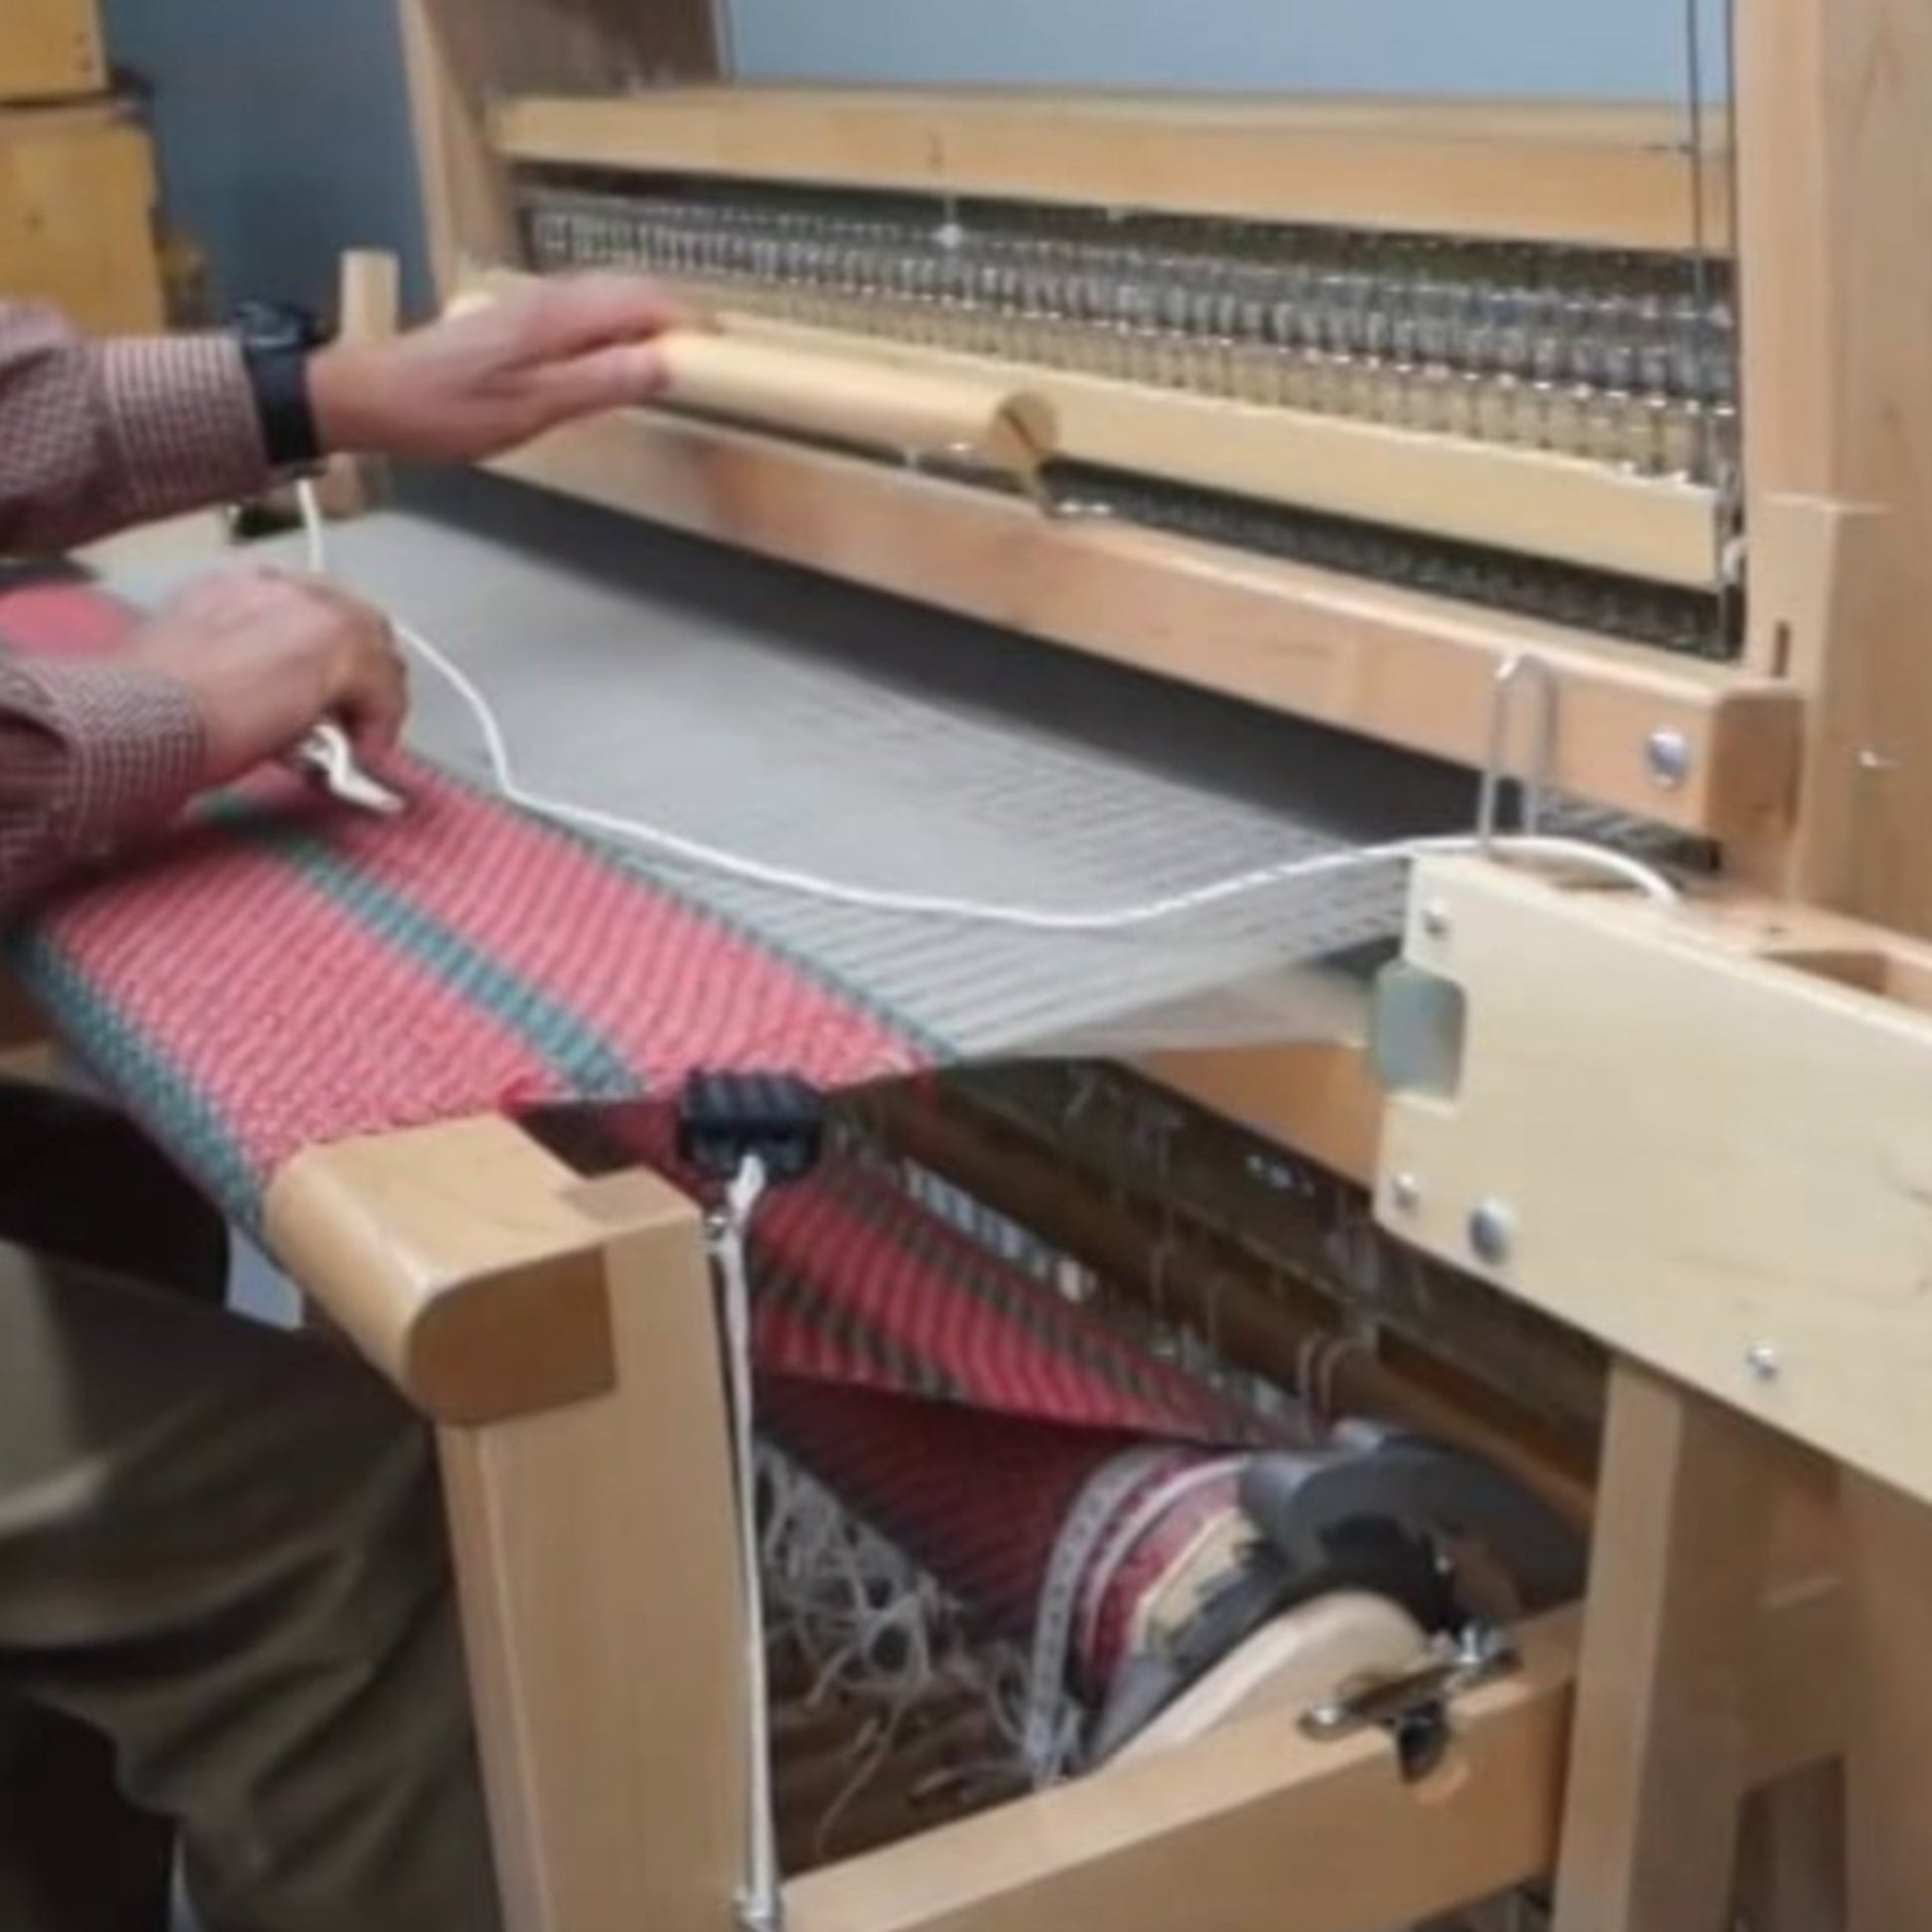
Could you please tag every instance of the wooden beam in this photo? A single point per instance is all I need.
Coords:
(1408, 669)
(1834, 98)
(601, 1612)
(452, 1259)
(1255, 1827)
(52, 48)
(1320, 1100)
(1563, 508)
(1659, 1766)
(825, 385)
(1711, 1156)
(451, 73)
(1836, 201)
(1271, 1830)
(1792, 1873)
(76, 215)
(1888, 1578)
(1618, 176)
(912, 400)
(591, 1521)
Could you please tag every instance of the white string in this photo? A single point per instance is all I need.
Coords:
(1607, 863)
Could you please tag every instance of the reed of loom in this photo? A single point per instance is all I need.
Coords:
(1644, 1106)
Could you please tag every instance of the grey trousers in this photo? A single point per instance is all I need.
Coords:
(224, 1574)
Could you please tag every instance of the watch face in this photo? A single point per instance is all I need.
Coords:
(279, 325)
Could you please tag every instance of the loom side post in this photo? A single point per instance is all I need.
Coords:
(590, 1511)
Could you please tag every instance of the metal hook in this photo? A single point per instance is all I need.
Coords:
(1510, 678)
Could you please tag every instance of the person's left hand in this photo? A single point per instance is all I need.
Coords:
(485, 382)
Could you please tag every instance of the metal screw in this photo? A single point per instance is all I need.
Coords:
(1405, 1191)
(1492, 1233)
(1436, 921)
(1668, 755)
(1765, 1363)
(1877, 762)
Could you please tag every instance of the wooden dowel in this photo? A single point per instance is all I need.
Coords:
(982, 422)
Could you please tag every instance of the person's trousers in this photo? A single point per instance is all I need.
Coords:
(226, 1604)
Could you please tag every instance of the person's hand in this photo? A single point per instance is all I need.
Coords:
(267, 657)
(487, 380)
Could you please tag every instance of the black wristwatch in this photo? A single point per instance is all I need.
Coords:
(277, 341)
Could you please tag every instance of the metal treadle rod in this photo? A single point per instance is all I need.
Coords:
(748, 1133)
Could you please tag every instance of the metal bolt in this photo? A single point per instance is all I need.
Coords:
(1492, 1233)
(1765, 1363)
(1404, 1192)
(1436, 921)
(1668, 755)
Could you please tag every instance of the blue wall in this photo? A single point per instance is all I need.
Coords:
(1606, 48)
(284, 126)
(284, 134)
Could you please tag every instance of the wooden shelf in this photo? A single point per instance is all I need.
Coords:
(76, 215)
(1407, 669)
(1619, 177)
(50, 50)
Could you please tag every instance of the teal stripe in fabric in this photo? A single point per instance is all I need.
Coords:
(592, 1065)
(636, 864)
(165, 1099)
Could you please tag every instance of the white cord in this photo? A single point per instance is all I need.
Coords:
(1597, 859)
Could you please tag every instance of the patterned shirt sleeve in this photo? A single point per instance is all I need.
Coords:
(94, 437)
(97, 435)
(90, 754)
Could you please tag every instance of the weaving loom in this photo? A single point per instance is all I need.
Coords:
(1010, 1412)
(1177, 1438)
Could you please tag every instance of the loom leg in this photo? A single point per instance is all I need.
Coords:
(601, 1612)
(1659, 1757)
(1888, 1578)
(1792, 1876)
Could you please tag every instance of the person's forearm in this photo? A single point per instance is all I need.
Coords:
(89, 754)
(97, 436)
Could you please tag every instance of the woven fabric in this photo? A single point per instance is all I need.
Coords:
(980, 1500)
(282, 974)
(465, 961)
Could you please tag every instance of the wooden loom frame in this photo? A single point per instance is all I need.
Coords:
(1811, 760)
(559, 1333)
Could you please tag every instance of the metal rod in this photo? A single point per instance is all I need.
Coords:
(1523, 669)
(760, 1906)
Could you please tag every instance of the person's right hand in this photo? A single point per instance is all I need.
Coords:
(268, 656)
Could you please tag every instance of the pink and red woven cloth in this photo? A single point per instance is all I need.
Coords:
(279, 973)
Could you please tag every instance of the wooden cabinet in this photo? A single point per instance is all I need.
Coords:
(77, 215)
(50, 50)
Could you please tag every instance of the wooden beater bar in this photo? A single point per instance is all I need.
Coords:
(974, 417)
